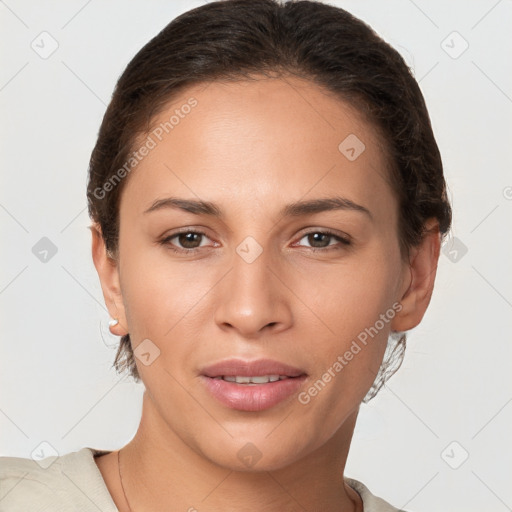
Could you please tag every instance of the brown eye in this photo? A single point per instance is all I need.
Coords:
(186, 241)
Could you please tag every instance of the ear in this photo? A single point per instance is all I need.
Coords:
(108, 273)
(417, 289)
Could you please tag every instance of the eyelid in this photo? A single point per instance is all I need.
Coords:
(328, 231)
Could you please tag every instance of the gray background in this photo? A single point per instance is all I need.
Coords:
(438, 436)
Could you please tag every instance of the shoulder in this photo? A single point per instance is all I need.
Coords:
(371, 502)
(58, 483)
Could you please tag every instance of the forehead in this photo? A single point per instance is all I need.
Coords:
(260, 140)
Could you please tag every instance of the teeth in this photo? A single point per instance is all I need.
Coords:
(263, 379)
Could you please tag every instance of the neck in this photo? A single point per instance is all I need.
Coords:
(161, 471)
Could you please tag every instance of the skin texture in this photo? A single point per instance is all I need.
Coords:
(253, 147)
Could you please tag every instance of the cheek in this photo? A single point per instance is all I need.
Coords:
(159, 294)
(347, 326)
(168, 302)
(348, 298)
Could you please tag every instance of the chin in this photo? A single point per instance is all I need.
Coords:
(253, 455)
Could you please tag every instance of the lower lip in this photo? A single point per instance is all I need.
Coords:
(258, 397)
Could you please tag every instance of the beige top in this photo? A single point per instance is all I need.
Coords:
(73, 482)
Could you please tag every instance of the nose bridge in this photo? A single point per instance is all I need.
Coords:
(251, 265)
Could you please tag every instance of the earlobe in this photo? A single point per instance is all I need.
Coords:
(422, 268)
(108, 273)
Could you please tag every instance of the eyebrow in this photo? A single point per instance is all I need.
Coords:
(296, 209)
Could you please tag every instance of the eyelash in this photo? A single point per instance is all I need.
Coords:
(345, 242)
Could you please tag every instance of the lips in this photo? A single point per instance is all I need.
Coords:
(258, 368)
(252, 385)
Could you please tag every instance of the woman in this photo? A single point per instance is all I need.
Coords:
(268, 204)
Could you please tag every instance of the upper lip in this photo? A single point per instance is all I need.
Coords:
(256, 368)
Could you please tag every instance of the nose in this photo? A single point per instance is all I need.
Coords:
(251, 299)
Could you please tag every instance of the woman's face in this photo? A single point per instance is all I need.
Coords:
(262, 278)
